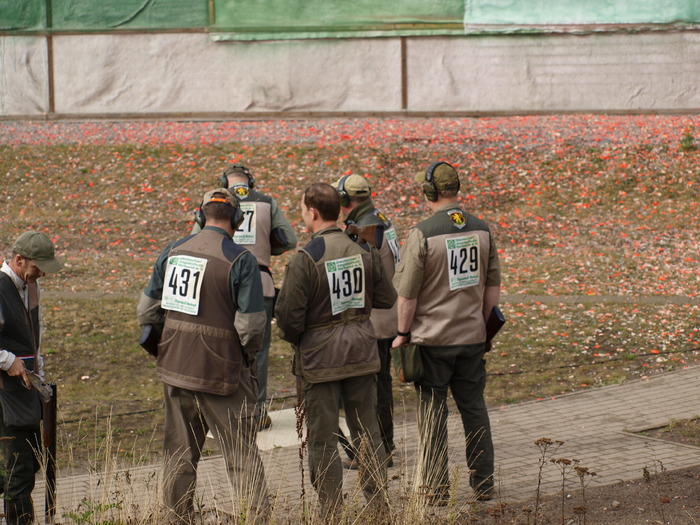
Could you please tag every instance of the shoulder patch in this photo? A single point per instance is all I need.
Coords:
(316, 248)
(382, 218)
(240, 190)
(457, 218)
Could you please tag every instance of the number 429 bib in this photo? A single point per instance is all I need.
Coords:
(183, 282)
(346, 282)
(463, 261)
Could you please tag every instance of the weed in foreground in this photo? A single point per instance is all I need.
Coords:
(547, 449)
(654, 480)
(584, 475)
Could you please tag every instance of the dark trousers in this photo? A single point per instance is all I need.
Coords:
(262, 360)
(322, 402)
(188, 417)
(462, 370)
(21, 464)
(385, 397)
(385, 403)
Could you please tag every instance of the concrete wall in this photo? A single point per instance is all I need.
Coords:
(189, 74)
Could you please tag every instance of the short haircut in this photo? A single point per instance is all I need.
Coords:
(218, 211)
(448, 194)
(324, 199)
(359, 200)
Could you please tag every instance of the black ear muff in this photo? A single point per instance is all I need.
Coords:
(237, 218)
(344, 197)
(199, 217)
(223, 181)
(429, 189)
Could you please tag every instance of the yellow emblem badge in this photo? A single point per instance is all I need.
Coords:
(240, 191)
(457, 218)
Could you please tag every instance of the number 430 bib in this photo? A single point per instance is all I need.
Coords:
(346, 282)
(183, 282)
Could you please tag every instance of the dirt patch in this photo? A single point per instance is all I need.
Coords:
(662, 497)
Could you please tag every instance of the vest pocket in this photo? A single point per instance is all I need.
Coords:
(200, 362)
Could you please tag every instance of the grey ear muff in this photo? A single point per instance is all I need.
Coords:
(344, 197)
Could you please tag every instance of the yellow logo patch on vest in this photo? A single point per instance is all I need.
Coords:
(457, 218)
(240, 191)
(381, 217)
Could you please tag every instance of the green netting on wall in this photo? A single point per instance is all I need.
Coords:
(22, 14)
(258, 19)
(571, 12)
(96, 15)
(276, 19)
(280, 19)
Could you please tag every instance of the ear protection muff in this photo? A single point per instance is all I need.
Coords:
(429, 189)
(344, 197)
(236, 168)
(199, 216)
(236, 220)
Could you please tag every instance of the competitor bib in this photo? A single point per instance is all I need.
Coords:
(183, 282)
(463, 261)
(346, 282)
(245, 234)
(393, 241)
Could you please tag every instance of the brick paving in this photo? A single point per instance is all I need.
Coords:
(598, 427)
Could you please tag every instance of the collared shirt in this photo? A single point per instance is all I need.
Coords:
(19, 283)
(8, 358)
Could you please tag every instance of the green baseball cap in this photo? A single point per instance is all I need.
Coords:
(444, 176)
(39, 248)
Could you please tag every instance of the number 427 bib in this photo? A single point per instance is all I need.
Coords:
(183, 282)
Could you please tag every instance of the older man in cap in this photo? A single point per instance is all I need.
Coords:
(33, 256)
(448, 281)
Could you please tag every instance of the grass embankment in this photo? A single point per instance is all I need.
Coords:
(612, 223)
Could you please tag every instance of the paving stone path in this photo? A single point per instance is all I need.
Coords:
(599, 427)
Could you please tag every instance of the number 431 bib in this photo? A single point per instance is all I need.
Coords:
(183, 282)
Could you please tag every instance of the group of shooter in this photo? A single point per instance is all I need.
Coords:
(348, 297)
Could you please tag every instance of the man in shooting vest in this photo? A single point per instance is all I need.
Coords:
(330, 288)
(367, 224)
(448, 281)
(33, 256)
(205, 292)
(265, 232)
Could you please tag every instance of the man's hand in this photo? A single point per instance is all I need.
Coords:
(17, 370)
(400, 340)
